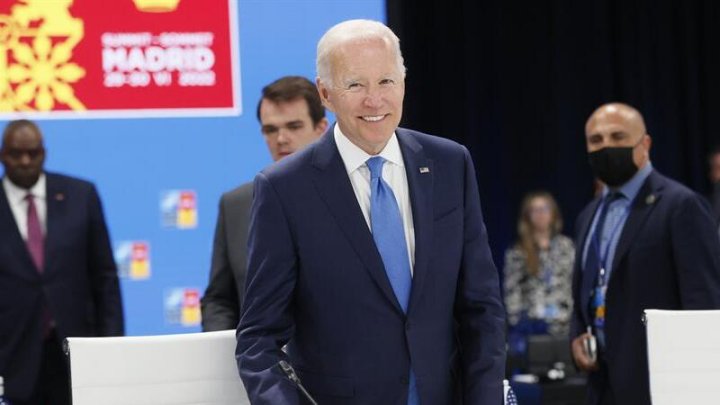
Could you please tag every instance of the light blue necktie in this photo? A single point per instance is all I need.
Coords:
(389, 235)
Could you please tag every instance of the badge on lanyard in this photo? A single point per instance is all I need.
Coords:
(599, 300)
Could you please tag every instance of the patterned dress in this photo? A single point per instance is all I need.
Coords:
(546, 296)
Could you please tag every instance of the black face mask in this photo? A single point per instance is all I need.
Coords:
(614, 166)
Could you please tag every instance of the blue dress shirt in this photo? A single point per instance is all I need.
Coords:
(616, 216)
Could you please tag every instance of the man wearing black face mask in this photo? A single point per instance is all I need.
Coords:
(646, 242)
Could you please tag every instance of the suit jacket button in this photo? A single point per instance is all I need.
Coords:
(407, 325)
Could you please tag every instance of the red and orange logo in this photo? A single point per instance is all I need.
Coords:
(133, 259)
(120, 58)
(179, 209)
(182, 306)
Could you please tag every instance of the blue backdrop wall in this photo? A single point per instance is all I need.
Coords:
(143, 166)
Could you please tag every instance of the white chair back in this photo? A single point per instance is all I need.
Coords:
(197, 368)
(683, 356)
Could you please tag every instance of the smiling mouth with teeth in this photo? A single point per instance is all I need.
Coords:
(372, 118)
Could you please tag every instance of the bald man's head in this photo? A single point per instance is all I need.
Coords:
(617, 142)
(617, 113)
(22, 153)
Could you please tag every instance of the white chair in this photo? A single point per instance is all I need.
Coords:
(197, 368)
(683, 356)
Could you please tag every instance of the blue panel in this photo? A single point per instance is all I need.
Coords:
(133, 162)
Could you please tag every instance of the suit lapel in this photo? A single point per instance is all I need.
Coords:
(55, 202)
(17, 244)
(420, 185)
(333, 184)
(643, 205)
(588, 276)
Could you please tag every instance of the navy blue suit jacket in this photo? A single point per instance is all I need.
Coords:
(316, 281)
(668, 257)
(79, 284)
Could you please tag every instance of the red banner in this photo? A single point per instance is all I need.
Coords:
(119, 58)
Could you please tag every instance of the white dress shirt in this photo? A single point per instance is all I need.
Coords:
(393, 173)
(19, 206)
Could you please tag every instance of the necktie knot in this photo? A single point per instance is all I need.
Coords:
(29, 197)
(612, 197)
(375, 164)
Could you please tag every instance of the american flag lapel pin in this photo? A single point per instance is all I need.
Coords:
(650, 199)
(59, 196)
(424, 170)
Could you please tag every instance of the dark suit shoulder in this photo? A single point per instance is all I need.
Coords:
(68, 183)
(431, 143)
(671, 190)
(676, 196)
(294, 168)
(241, 193)
(671, 187)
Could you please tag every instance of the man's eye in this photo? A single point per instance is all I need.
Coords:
(354, 86)
(269, 130)
(595, 139)
(294, 127)
(387, 82)
(17, 154)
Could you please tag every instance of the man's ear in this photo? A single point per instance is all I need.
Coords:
(322, 126)
(323, 91)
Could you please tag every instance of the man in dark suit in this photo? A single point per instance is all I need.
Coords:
(291, 116)
(57, 273)
(647, 242)
(368, 255)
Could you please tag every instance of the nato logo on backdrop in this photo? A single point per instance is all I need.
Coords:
(178, 209)
(182, 306)
(133, 259)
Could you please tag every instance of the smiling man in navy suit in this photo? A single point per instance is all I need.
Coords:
(368, 255)
(57, 273)
(647, 242)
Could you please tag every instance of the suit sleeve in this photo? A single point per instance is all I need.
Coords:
(478, 306)
(577, 325)
(696, 249)
(266, 324)
(220, 304)
(103, 273)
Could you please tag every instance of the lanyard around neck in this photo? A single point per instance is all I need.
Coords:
(603, 255)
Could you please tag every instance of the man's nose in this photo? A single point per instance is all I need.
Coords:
(25, 159)
(373, 98)
(283, 135)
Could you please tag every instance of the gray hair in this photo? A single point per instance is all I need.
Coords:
(349, 31)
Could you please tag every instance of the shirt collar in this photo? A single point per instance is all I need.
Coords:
(354, 157)
(17, 194)
(632, 187)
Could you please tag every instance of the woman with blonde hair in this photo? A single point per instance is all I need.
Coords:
(538, 270)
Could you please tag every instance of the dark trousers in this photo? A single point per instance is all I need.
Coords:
(600, 392)
(53, 385)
